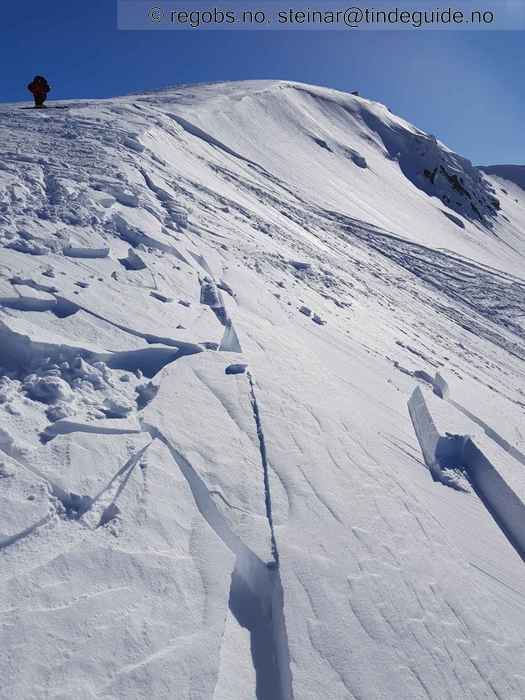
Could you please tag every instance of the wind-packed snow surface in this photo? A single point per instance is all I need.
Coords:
(261, 403)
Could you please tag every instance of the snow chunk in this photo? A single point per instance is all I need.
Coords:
(47, 389)
(236, 369)
(77, 252)
(132, 261)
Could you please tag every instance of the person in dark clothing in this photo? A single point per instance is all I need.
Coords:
(39, 88)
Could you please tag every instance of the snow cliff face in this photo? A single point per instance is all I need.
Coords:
(261, 402)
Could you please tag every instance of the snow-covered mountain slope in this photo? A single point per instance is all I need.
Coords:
(261, 403)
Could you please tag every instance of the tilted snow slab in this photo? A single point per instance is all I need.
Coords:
(205, 415)
(449, 438)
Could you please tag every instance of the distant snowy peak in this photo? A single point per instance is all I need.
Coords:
(513, 173)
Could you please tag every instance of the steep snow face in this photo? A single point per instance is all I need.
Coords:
(261, 402)
(348, 153)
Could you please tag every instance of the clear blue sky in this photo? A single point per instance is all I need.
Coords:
(467, 88)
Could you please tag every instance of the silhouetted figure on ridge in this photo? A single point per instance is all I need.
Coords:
(39, 88)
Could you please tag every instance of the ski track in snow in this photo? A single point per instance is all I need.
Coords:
(210, 485)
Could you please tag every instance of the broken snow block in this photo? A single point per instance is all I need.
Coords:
(77, 505)
(226, 288)
(47, 389)
(440, 387)
(424, 376)
(322, 143)
(132, 141)
(132, 261)
(236, 369)
(30, 247)
(58, 411)
(209, 294)
(178, 214)
(426, 432)
(78, 252)
(161, 297)
(116, 407)
(109, 513)
(83, 370)
(145, 394)
(358, 160)
(230, 340)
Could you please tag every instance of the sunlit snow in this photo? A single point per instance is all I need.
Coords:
(262, 390)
